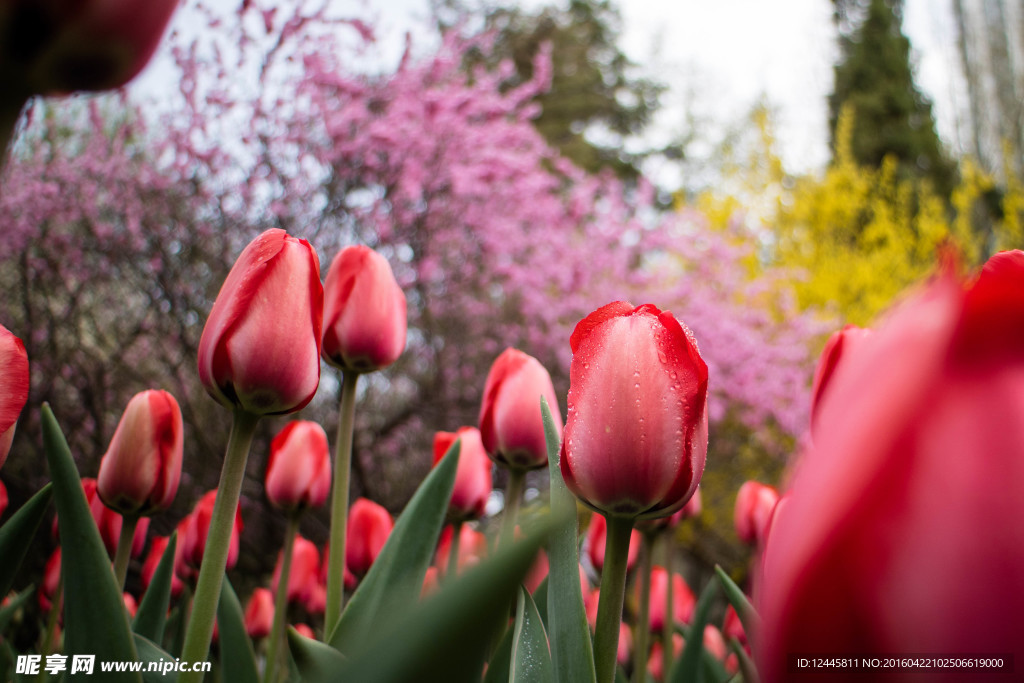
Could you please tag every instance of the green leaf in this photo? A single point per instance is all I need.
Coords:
(501, 660)
(151, 617)
(572, 651)
(7, 611)
(396, 578)
(16, 535)
(316, 661)
(747, 667)
(95, 620)
(744, 610)
(445, 638)
(236, 654)
(150, 652)
(714, 670)
(531, 661)
(689, 669)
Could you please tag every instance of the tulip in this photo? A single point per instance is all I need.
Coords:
(3, 498)
(305, 631)
(431, 582)
(755, 504)
(838, 346)
(297, 568)
(260, 348)
(473, 477)
(364, 312)
(14, 380)
(655, 665)
(259, 613)
(192, 538)
(682, 598)
(597, 537)
(369, 526)
(900, 532)
(157, 547)
(51, 581)
(299, 467)
(733, 627)
(303, 577)
(470, 550)
(591, 599)
(108, 522)
(130, 605)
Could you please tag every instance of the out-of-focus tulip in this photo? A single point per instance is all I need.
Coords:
(431, 582)
(682, 598)
(139, 472)
(90, 45)
(14, 380)
(299, 467)
(192, 534)
(597, 537)
(900, 532)
(259, 613)
(316, 602)
(260, 348)
(732, 627)
(590, 603)
(714, 643)
(130, 605)
(637, 431)
(303, 577)
(51, 579)
(369, 526)
(472, 548)
(656, 662)
(537, 573)
(3, 498)
(755, 503)
(156, 551)
(305, 630)
(838, 346)
(473, 483)
(510, 419)
(364, 312)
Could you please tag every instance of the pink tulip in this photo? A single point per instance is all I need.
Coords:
(299, 467)
(733, 627)
(51, 579)
(636, 436)
(369, 526)
(683, 600)
(656, 662)
(14, 380)
(260, 349)
(139, 472)
(472, 548)
(303, 577)
(130, 605)
(472, 479)
(259, 614)
(838, 346)
(364, 312)
(901, 530)
(597, 537)
(510, 419)
(305, 631)
(755, 504)
(156, 551)
(192, 538)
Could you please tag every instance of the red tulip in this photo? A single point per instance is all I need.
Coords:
(303, 577)
(86, 45)
(590, 603)
(431, 582)
(637, 432)
(682, 598)
(156, 551)
(192, 535)
(299, 467)
(14, 380)
(733, 627)
(259, 613)
(51, 579)
(597, 536)
(755, 504)
(656, 662)
(364, 312)
(510, 417)
(900, 531)
(369, 526)
(130, 605)
(3, 498)
(260, 349)
(305, 631)
(838, 346)
(139, 472)
(472, 548)
(472, 479)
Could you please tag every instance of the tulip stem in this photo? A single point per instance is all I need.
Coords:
(513, 496)
(339, 503)
(218, 542)
(643, 624)
(613, 592)
(452, 569)
(124, 548)
(669, 624)
(281, 598)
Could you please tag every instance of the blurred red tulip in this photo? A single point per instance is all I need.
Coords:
(510, 419)
(755, 503)
(51, 579)
(683, 600)
(369, 526)
(130, 605)
(714, 643)
(838, 346)
(14, 379)
(656, 662)
(597, 537)
(899, 535)
(732, 627)
(195, 528)
(3, 498)
(304, 575)
(472, 479)
(260, 348)
(259, 613)
(364, 312)
(139, 472)
(431, 582)
(472, 548)
(590, 603)
(156, 551)
(637, 431)
(299, 466)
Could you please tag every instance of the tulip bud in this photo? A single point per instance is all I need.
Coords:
(637, 432)
(656, 661)
(51, 579)
(511, 425)
(130, 605)
(303, 576)
(597, 537)
(259, 614)
(299, 467)
(472, 478)
(472, 548)
(305, 631)
(683, 600)
(157, 547)
(431, 582)
(755, 504)
(840, 345)
(369, 526)
(139, 472)
(192, 535)
(260, 349)
(733, 627)
(364, 312)
(13, 386)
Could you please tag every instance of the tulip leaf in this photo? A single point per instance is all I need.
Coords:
(17, 602)
(445, 638)
(747, 667)
(151, 618)
(530, 661)
(690, 669)
(396, 578)
(714, 670)
(744, 610)
(16, 535)
(235, 647)
(149, 654)
(501, 660)
(572, 651)
(95, 620)
(315, 660)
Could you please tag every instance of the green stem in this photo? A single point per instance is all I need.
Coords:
(452, 570)
(218, 541)
(643, 623)
(669, 626)
(339, 503)
(513, 496)
(613, 592)
(281, 598)
(124, 548)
